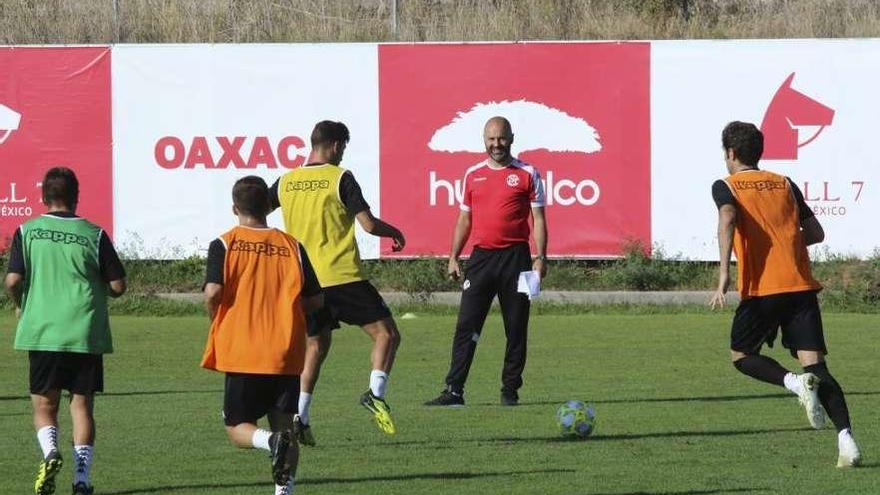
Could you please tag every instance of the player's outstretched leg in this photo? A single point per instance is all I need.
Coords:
(833, 400)
(386, 340)
(768, 370)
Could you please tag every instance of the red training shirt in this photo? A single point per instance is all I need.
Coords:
(500, 201)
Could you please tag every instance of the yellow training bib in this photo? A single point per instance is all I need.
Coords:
(315, 215)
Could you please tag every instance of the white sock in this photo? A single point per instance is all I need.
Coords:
(846, 432)
(261, 439)
(48, 438)
(378, 382)
(305, 400)
(284, 490)
(82, 459)
(793, 384)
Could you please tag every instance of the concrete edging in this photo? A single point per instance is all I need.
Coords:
(551, 296)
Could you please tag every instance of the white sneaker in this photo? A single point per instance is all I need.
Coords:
(809, 398)
(849, 455)
(286, 489)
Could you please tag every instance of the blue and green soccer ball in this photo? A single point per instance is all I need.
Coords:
(576, 419)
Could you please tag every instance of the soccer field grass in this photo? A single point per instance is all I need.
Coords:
(674, 417)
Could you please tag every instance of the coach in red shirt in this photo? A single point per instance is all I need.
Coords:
(499, 195)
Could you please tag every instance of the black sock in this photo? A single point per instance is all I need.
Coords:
(831, 396)
(762, 368)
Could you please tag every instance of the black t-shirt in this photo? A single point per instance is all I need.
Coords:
(108, 259)
(722, 195)
(349, 192)
(217, 258)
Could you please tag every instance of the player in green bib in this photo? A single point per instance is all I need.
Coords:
(61, 270)
(320, 203)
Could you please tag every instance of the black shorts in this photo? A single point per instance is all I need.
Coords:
(249, 397)
(758, 320)
(76, 372)
(355, 303)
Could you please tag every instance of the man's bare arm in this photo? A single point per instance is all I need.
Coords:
(14, 288)
(213, 294)
(459, 237)
(726, 224)
(380, 228)
(540, 235)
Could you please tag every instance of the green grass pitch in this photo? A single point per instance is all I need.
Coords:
(674, 417)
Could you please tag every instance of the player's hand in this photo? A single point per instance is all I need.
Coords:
(718, 298)
(540, 266)
(453, 269)
(17, 313)
(398, 242)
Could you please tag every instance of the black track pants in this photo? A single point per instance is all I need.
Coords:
(492, 272)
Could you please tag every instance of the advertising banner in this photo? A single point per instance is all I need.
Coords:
(626, 136)
(192, 119)
(580, 115)
(54, 111)
(814, 100)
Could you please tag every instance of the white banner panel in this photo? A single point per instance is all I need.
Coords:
(189, 120)
(816, 102)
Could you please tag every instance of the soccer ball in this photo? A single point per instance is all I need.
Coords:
(576, 419)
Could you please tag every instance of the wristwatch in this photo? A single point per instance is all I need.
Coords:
(542, 257)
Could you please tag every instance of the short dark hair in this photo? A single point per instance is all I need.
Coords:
(60, 185)
(329, 132)
(251, 196)
(746, 141)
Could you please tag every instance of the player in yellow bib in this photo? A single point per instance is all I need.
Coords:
(320, 202)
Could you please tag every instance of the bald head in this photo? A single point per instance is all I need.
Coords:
(498, 125)
(498, 137)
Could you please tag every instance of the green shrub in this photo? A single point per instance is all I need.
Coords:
(419, 278)
(639, 271)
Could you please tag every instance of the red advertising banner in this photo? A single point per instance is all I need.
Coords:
(580, 114)
(54, 111)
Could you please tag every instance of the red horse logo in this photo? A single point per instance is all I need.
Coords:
(789, 109)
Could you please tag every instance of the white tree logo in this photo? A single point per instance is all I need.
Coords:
(536, 126)
(9, 121)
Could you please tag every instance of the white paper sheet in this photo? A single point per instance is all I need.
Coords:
(529, 284)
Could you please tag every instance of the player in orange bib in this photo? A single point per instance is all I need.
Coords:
(763, 218)
(259, 288)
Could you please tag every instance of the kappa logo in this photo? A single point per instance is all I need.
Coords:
(260, 248)
(788, 111)
(307, 185)
(9, 122)
(530, 120)
(57, 236)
